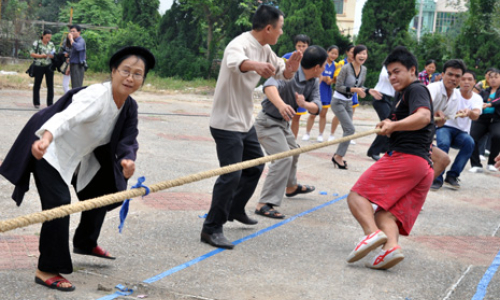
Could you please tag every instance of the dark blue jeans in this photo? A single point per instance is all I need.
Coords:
(452, 137)
(232, 191)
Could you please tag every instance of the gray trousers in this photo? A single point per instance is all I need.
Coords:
(276, 136)
(77, 72)
(343, 111)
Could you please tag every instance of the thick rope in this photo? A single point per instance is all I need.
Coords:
(90, 204)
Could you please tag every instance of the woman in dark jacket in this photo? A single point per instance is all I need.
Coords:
(88, 139)
(488, 122)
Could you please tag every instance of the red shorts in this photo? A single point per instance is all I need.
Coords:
(399, 184)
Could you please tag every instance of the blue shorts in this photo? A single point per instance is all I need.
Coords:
(301, 111)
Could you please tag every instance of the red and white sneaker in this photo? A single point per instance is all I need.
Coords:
(366, 245)
(386, 259)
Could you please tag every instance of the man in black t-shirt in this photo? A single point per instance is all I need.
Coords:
(398, 183)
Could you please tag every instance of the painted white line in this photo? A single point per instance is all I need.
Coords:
(496, 230)
(453, 287)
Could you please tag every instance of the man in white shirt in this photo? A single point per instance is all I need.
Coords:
(383, 108)
(455, 132)
(247, 58)
(444, 97)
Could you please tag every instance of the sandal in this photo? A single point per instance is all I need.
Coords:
(299, 190)
(96, 251)
(55, 282)
(268, 211)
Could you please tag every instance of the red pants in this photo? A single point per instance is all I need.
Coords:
(399, 184)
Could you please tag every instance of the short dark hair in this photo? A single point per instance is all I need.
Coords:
(455, 64)
(265, 15)
(349, 47)
(314, 55)
(402, 55)
(358, 49)
(495, 71)
(471, 72)
(489, 70)
(430, 61)
(46, 31)
(301, 38)
(332, 47)
(77, 27)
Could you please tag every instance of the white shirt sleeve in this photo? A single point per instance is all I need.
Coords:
(85, 107)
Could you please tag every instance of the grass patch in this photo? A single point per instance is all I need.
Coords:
(153, 82)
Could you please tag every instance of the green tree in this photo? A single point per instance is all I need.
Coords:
(180, 52)
(315, 18)
(384, 25)
(480, 35)
(94, 12)
(142, 12)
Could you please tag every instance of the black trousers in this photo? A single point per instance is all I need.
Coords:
(49, 80)
(55, 255)
(54, 236)
(232, 191)
(383, 108)
(479, 129)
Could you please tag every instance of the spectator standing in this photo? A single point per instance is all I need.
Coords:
(428, 75)
(43, 51)
(301, 42)
(325, 91)
(78, 56)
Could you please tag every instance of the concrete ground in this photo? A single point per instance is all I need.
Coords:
(453, 247)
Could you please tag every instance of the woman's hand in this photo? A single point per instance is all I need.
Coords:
(39, 147)
(128, 166)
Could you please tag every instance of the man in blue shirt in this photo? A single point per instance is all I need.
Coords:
(78, 56)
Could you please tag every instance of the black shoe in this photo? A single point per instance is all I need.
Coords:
(436, 185)
(242, 218)
(37, 106)
(452, 182)
(216, 239)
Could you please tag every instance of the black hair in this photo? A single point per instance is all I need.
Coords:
(77, 27)
(455, 64)
(495, 71)
(46, 31)
(265, 15)
(349, 47)
(472, 73)
(301, 38)
(402, 55)
(117, 63)
(430, 61)
(331, 48)
(358, 49)
(489, 70)
(314, 55)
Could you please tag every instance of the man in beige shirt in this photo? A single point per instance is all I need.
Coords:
(247, 58)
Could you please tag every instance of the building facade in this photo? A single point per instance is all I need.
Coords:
(438, 16)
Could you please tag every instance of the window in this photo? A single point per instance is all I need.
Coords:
(339, 6)
(445, 21)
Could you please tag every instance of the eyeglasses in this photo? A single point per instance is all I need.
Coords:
(126, 73)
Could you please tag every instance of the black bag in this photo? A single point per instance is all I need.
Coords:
(85, 66)
(31, 70)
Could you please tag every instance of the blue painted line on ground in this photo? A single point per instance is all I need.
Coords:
(219, 250)
(485, 281)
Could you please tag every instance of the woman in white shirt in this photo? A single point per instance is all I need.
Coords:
(87, 139)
